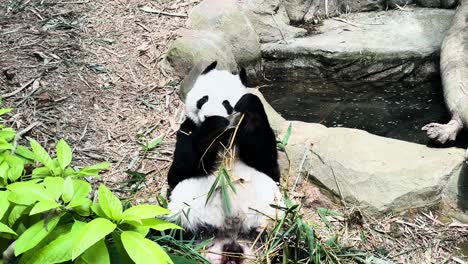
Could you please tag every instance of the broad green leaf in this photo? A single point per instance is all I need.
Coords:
(61, 229)
(81, 206)
(4, 168)
(27, 193)
(109, 203)
(64, 154)
(142, 250)
(158, 224)
(41, 172)
(5, 229)
(16, 167)
(98, 210)
(131, 221)
(5, 110)
(16, 213)
(81, 189)
(25, 152)
(43, 206)
(155, 142)
(59, 250)
(68, 190)
(7, 133)
(41, 154)
(94, 231)
(96, 254)
(69, 172)
(122, 255)
(5, 145)
(54, 186)
(79, 202)
(96, 167)
(15, 171)
(144, 211)
(56, 170)
(4, 203)
(33, 235)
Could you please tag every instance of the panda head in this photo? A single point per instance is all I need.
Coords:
(214, 93)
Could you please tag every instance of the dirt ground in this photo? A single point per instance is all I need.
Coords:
(89, 71)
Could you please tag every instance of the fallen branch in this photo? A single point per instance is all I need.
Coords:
(148, 9)
(21, 133)
(19, 89)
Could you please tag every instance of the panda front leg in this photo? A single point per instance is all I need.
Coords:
(255, 137)
(196, 148)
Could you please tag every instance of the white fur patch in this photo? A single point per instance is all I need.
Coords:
(250, 203)
(219, 86)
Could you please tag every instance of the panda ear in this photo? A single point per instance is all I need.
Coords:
(210, 67)
(243, 76)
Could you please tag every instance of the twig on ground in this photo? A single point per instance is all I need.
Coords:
(148, 9)
(20, 89)
(21, 133)
(306, 152)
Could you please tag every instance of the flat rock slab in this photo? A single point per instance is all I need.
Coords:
(390, 45)
(378, 174)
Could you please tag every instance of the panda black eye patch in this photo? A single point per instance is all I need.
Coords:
(228, 107)
(202, 101)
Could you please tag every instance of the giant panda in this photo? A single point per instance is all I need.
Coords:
(213, 108)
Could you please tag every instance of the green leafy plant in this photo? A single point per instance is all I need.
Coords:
(149, 145)
(281, 144)
(47, 214)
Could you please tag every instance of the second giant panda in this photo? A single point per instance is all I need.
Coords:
(214, 106)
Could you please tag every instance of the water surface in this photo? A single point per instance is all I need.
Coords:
(391, 109)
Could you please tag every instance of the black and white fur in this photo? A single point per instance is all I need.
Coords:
(213, 107)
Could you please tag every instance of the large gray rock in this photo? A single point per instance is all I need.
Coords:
(227, 17)
(297, 9)
(271, 22)
(378, 174)
(331, 8)
(199, 48)
(392, 45)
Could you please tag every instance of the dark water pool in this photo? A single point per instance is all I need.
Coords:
(391, 109)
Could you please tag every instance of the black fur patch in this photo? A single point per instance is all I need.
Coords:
(210, 67)
(202, 101)
(243, 76)
(255, 138)
(228, 107)
(197, 148)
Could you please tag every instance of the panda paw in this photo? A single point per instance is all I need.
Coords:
(213, 123)
(249, 103)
